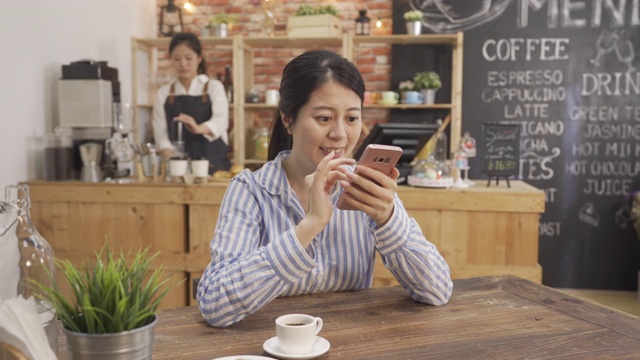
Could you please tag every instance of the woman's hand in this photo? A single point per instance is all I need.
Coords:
(319, 206)
(320, 185)
(191, 125)
(371, 191)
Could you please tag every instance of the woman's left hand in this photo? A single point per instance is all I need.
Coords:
(191, 124)
(372, 191)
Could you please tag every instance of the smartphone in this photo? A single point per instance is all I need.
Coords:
(379, 157)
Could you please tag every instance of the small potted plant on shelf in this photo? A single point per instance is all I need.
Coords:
(310, 21)
(112, 312)
(427, 82)
(220, 23)
(413, 18)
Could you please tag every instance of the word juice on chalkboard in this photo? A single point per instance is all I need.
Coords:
(501, 151)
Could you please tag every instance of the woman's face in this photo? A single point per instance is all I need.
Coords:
(185, 61)
(330, 121)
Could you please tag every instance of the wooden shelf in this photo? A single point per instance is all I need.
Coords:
(431, 39)
(409, 106)
(164, 42)
(243, 49)
(260, 106)
(291, 42)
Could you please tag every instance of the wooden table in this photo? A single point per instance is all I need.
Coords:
(487, 317)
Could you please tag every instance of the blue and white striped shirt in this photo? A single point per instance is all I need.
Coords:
(256, 257)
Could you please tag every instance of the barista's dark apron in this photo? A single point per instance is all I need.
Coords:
(196, 146)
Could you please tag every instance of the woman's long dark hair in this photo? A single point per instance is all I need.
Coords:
(300, 78)
(192, 41)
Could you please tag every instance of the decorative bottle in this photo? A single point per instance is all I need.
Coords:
(30, 257)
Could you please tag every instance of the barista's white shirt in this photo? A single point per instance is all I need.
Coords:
(219, 122)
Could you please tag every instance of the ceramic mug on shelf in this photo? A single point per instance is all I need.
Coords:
(413, 97)
(389, 97)
(272, 97)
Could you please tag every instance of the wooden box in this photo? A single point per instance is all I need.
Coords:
(324, 25)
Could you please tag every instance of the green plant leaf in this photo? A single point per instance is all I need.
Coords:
(108, 296)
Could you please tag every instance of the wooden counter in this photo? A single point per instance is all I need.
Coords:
(480, 231)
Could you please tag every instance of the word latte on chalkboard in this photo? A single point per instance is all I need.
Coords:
(501, 151)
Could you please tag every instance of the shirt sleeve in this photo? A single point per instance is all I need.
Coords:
(159, 120)
(247, 272)
(414, 261)
(219, 122)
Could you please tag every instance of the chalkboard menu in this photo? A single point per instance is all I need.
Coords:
(566, 74)
(500, 150)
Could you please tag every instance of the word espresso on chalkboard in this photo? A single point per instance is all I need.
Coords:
(501, 150)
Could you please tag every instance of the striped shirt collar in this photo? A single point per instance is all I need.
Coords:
(272, 176)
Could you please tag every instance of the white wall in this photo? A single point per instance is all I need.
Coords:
(38, 37)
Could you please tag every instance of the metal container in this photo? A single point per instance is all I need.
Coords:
(127, 345)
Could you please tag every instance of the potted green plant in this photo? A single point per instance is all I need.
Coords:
(427, 82)
(413, 19)
(220, 23)
(314, 21)
(112, 308)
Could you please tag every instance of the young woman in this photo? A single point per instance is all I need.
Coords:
(195, 103)
(279, 232)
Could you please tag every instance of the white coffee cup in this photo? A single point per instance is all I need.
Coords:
(272, 97)
(297, 332)
(178, 167)
(200, 168)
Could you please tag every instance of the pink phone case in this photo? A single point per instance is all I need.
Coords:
(380, 157)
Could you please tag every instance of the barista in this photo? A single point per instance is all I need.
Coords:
(193, 106)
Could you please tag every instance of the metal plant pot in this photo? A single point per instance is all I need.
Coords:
(414, 27)
(221, 30)
(429, 96)
(127, 345)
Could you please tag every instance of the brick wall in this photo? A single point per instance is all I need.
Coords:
(373, 61)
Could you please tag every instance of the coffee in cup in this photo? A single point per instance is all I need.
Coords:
(296, 333)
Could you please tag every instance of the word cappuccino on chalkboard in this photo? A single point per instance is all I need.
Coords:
(501, 150)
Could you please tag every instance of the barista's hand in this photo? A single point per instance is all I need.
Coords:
(191, 125)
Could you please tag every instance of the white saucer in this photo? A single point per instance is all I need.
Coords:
(244, 357)
(320, 346)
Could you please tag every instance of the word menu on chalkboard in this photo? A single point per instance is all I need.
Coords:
(500, 149)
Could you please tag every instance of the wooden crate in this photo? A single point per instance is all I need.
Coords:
(314, 26)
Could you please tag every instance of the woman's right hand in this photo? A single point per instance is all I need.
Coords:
(320, 184)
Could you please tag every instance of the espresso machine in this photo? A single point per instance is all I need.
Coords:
(87, 93)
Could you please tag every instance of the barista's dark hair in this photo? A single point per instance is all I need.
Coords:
(192, 41)
(300, 78)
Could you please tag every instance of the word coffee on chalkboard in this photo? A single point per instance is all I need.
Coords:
(501, 149)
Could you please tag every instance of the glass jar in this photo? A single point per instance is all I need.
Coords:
(58, 156)
(261, 143)
(469, 145)
(30, 257)
(430, 172)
